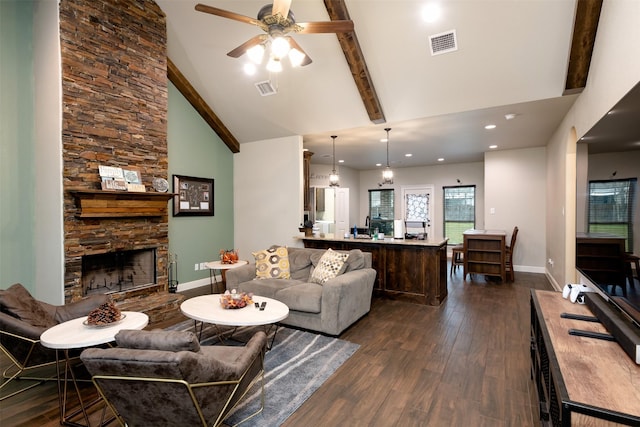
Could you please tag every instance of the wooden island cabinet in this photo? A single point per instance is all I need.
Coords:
(409, 270)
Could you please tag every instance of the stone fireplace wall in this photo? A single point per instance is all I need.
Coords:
(114, 94)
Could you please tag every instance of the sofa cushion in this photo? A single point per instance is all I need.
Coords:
(306, 297)
(18, 302)
(158, 340)
(267, 287)
(300, 263)
(272, 263)
(355, 261)
(330, 265)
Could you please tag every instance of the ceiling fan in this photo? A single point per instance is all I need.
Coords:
(277, 20)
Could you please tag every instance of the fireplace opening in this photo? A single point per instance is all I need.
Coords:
(118, 271)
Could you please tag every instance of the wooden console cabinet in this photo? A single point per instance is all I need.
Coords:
(601, 257)
(411, 270)
(579, 381)
(485, 253)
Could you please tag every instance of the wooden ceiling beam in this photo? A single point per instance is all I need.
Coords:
(337, 10)
(584, 35)
(185, 88)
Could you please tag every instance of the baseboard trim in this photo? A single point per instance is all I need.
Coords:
(195, 284)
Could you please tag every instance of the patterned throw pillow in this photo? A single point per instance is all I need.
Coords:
(272, 263)
(330, 265)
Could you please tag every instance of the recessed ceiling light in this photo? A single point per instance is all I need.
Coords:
(378, 164)
(441, 159)
(340, 161)
(493, 146)
(510, 116)
(408, 155)
(383, 140)
(431, 12)
(490, 127)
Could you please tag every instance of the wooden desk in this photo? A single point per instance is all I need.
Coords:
(485, 253)
(580, 381)
(408, 270)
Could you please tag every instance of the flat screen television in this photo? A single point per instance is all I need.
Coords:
(613, 153)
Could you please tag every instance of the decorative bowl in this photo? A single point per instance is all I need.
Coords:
(230, 300)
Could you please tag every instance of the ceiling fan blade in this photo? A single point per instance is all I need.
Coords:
(226, 14)
(294, 45)
(325, 27)
(281, 6)
(240, 50)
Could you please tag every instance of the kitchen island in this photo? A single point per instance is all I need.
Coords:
(409, 270)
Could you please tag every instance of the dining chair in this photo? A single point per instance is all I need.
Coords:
(509, 255)
(457, 257)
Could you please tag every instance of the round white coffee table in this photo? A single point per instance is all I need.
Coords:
(74, 334)
(207, 309)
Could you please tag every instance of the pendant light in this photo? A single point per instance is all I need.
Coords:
(334, 178)
(387, 173)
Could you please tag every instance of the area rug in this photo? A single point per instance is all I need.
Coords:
(298, 364)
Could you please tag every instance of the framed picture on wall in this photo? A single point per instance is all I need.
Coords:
(194, 196)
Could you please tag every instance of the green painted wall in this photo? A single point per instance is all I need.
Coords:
(17, 175)
(195, 150)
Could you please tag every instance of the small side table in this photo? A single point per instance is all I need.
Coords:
(73, 334)
(214, 266)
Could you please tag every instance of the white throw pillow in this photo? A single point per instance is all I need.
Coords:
(331, 264)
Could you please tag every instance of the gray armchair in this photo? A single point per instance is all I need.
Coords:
(22, 320)
(166, 378)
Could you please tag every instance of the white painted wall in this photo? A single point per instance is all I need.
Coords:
(48, 224)
(438, 176)
(515, 184)
(614, 70)
(349, 178)
(267, 188)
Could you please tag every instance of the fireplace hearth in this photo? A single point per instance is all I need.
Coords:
(118, 271)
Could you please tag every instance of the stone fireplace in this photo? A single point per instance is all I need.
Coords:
(114, 95)
(119, 271)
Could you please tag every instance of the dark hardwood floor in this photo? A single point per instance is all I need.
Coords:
(465, 363)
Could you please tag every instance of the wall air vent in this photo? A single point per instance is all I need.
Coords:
(443, 42)
(266, 88)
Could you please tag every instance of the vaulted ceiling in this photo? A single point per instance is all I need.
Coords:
(522, 58)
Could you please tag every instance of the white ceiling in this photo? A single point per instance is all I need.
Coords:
(512, 58)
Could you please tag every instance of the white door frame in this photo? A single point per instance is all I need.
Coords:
(419, 189)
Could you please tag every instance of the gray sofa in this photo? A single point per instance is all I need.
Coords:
(329, 308)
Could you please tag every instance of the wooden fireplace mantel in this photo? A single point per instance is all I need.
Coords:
(114, 204)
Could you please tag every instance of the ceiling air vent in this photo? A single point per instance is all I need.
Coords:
(266, 88)
(443, 42)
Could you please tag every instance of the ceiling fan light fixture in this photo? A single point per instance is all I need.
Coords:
(280, 47)
(249, 68)
(296, 57)
(256, 54)
(274, 65)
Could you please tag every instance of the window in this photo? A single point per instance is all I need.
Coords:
(459, 211)
(381, 211)
(610, 208)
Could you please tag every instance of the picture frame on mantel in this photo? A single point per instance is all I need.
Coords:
(193, 196)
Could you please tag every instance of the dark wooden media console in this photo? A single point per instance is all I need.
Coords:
(580, 381)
